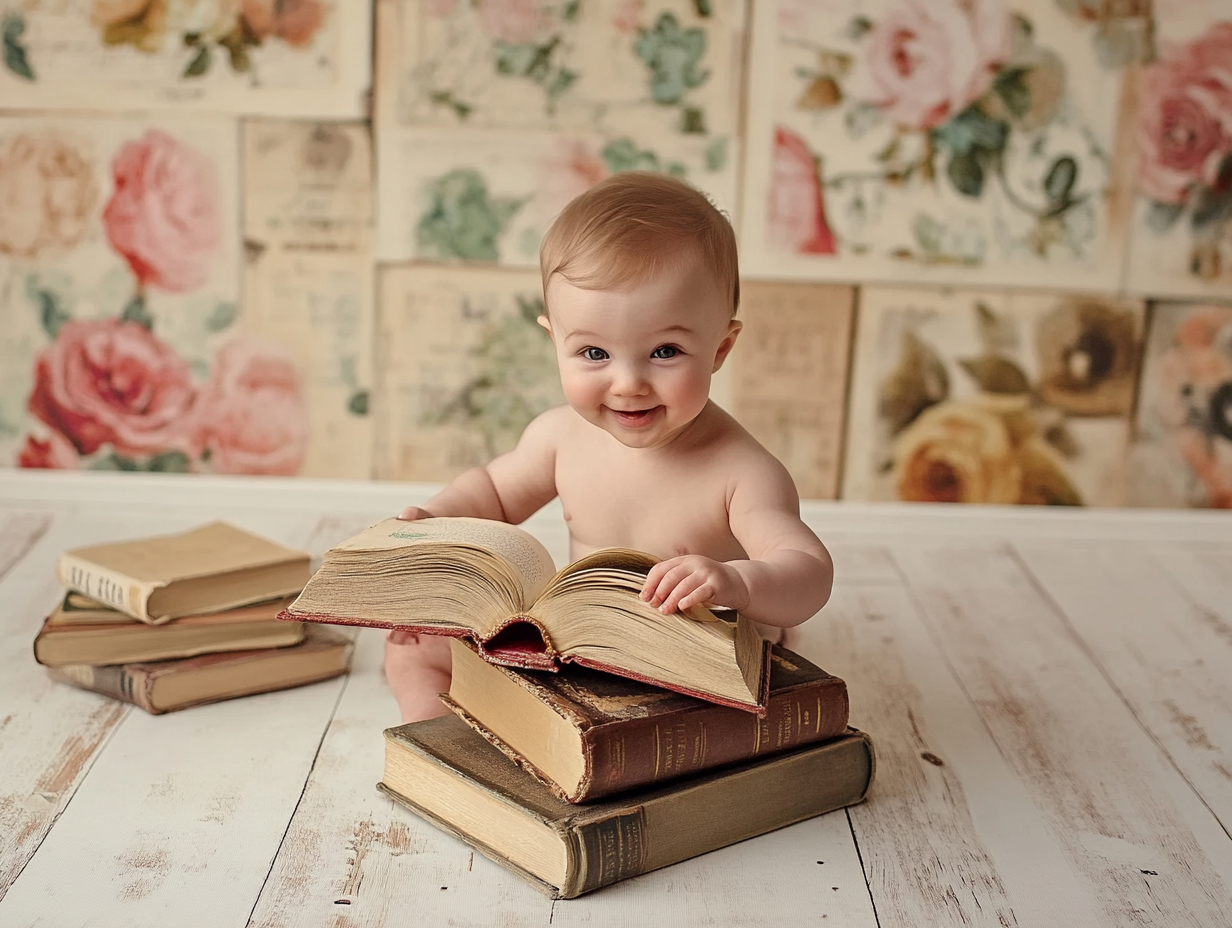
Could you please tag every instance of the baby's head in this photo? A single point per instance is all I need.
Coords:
(628, 228)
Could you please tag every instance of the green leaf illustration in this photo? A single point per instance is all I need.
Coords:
(973, 130)
(716, 155)
(15, 56)
(221, 317)
(624, 155)
(463, 221)
(966, 173)
(672, 55)
(169, 462)
(1160, 217)
(1012, 87)
(136, 311)
(51, 309)
(1059, 182)
(200, 62)
(693, 120)
(996, 374)
(1213, 204)
(357, 405)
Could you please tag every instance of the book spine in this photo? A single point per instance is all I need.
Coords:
(115, 681)
(630, 754)
(107, 586)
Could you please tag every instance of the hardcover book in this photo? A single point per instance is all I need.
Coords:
(207, 569)
(496, 584)
(82, 631)
(448, 774)
(165, 686)
(587, 735)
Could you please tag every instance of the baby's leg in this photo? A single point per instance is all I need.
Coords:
(417, 668)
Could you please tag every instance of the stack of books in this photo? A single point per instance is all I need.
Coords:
(593, 738)
(180, 620)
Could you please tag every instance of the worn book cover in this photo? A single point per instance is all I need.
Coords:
(206, 569)
(81, 630)
(165, 686)
(586, 734)
(448, 774)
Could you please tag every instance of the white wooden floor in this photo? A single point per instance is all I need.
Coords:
(1050, 694)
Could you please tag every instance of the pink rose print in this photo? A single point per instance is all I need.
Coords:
(293, 21)
(163, 216)
(512, 21)
(253, 416)
(103, 380)
(926, 60)
(1185, 116)
(797, 220)
(53, 453)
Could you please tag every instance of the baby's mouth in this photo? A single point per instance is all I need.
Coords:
(633, 416)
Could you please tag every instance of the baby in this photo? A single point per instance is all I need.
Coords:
(641, 287)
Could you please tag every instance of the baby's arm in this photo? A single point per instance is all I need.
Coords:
(788, 574)
(510, 488)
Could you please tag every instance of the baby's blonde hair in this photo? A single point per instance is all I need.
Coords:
(629, 227)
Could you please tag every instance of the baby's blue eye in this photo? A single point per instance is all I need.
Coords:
(594, 354)
(665, 352)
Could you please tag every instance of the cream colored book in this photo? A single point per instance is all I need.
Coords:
(82, 631)
(496, 585)
(206, 569)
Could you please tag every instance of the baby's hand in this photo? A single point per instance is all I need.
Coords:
(411, 513)
(692, 580)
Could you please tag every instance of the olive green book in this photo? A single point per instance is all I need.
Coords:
(447, 773)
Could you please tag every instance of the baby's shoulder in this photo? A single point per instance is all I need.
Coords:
(746, 460)
(552, 428)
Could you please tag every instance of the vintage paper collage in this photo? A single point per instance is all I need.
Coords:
(462, 368)
(991, 397)
(1182, 234)
(309, 276)
(789, 376)
(961, 143)
(1182, 452)
(275, 57)
(119, 286)
(491, 117)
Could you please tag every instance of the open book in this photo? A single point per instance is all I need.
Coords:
(496, 584)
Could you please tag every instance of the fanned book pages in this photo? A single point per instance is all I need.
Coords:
(587, 735)
(82, 631)
(496, 584)
(206, 569)
(449, 775)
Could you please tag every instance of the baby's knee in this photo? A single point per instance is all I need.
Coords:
(407, 651)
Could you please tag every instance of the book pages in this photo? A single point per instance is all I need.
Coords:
(789, 376)
(992, 397)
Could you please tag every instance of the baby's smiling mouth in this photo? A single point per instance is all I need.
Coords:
(633, 416)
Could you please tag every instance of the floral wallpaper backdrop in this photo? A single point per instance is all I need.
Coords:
(300, 237)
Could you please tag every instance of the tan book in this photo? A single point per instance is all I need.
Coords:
(496, 584)
(165, 686)
(587, 735)
(206, 569)
(83, 631)
(445, 772)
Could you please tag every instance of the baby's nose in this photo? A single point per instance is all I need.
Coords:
(629, 380)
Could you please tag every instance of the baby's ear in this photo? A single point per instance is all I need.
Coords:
(725, 346)
(547, 324)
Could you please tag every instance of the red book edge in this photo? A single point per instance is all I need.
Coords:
(523, 652)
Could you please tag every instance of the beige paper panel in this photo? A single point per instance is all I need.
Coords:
(789, 376)
(1182, 452)
(953, 143)
(307, 185)
(1182, 219)
(987, 396)
(310, 58)
(462, 367)
(161, 250)
(318, 306)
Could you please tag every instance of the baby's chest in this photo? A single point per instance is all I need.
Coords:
(666, 514)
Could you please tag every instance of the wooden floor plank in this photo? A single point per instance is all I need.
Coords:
(1170, 657)
(1126, 823)
(947, 837)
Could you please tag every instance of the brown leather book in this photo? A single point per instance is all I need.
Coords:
(82, 631)
(165, 686)
(587, 735)
(445, 772)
